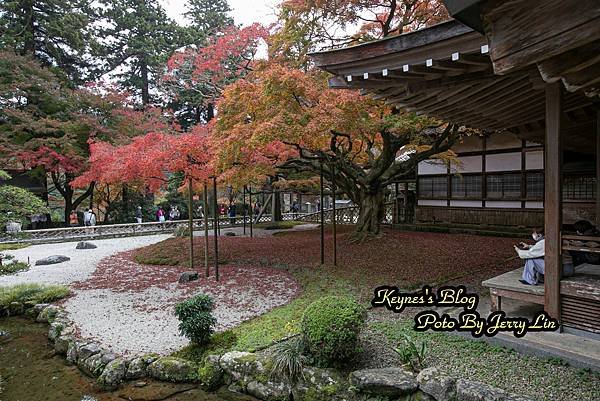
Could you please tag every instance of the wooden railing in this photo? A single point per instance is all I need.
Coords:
(345, 215)
(581, 243)
(129, 229)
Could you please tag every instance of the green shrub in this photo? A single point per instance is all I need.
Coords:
(12, 267)
(182, 231)
(411, 353)
(195, 318)
(330, 328)
(289, 360)
(31, 294)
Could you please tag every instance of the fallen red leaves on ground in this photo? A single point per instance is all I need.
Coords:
(406, 259)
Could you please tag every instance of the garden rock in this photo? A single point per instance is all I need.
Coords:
(36, 310)
(210, 373)
(62, 344)
(173, 370)
(440, 386)
(58, 328)
(188, 276)
(52, 260)
(322, 384)
(47, 314)
(230, 234)
(467, 390)
(268, 391)
(85, 245)
(385, 381)
(136, 369)
(72, 349)
(113, 374)
(242, 365)
(87, 350)
(94, 365)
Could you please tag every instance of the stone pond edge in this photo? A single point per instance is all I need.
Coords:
(250, 373)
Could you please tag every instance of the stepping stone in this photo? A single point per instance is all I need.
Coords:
(230, 234)
(188, 276)
(52, 260)
(85, 245)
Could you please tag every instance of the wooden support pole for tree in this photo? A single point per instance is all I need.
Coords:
(205, 215)
(334, 219)
(322, 214)
(553, 200)
(598, 168)
(244, 207)
(215, 228)
(251, 211)
(191, 221)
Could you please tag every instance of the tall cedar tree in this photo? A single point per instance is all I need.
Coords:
(138, 37)
(56, 32)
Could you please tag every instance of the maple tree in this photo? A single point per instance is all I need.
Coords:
(306, 25)
(280, 120)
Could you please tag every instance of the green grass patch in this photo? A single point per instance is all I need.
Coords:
(281, 322)
(13, 246)
(278, 225)
(31, 294)
(539, 378)
(13, 267)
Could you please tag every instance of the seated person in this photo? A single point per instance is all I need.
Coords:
(533, 273)
(585, 228)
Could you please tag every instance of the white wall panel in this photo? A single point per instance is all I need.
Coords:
(469, 164)
(534, 160)
(432, 167)
(534, 205)
(503, 162)
(431, 202)
(466, 203)
(504, 204)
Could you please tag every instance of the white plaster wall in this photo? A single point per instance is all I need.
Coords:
(428, 167)
(502, 141)
(503, 162)
(534, 160)
(460, 203)
(431, 202)
(504, 204)
(468, 164)
(534, 205)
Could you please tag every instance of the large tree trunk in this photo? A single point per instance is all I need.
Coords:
(145, 82)
(371, 214)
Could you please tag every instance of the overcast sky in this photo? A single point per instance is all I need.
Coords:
(244, 12)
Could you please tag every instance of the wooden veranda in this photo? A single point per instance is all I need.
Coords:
(530, 67)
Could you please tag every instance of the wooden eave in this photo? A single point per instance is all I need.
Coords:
(446, 72)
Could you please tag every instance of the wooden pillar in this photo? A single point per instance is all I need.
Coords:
(216, 228)
(191, 221)
(553, 200)
(334, 219)
(244, 208)
(322, 215)
(205, 215)
(598, 168)
(251, 210)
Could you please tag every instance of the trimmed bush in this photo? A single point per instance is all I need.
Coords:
(330, 328)
(31, 294)
(195, 318)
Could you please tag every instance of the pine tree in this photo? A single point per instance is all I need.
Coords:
(56, 32)
(138, 37)
(207, 17)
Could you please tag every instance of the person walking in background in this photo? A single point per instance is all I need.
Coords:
(86, 217)
(172, 211)
(232, 213)
(138, 215)
(92, 218)
(73, 220)
(160, 215)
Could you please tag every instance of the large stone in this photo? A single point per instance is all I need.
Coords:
(63, 343)
(52, 260)
(239, 365)
(57, 328)
(322, 385)
(85, 245)
(269, 391)
(73, 348)
(16, 308)
(36, 310)
(94, 365)
(113, 374)
(136, 369)
(87, 350)
(47, 314)
(210, 373)
(439, 385)
(386, 381)
(188, 276)
(172, 369)
(467, 390)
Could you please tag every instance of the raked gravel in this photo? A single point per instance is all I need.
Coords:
(83, 261)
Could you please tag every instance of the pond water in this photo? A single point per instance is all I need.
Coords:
(31, 372)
